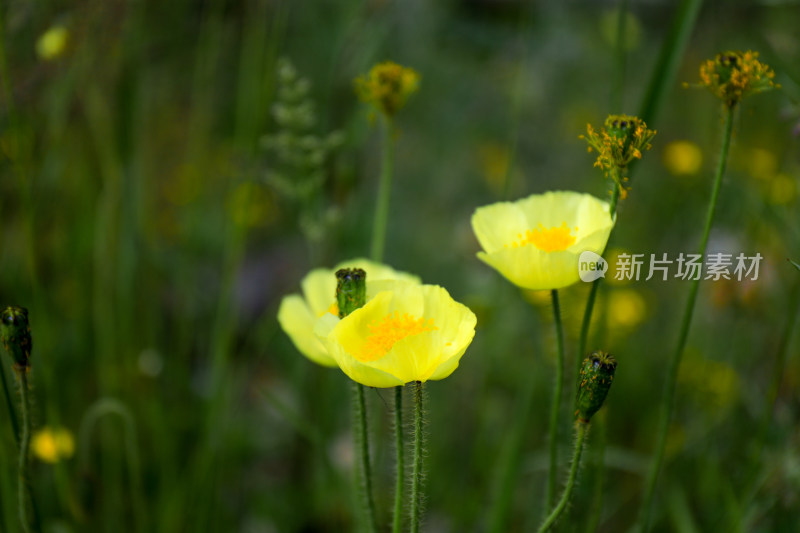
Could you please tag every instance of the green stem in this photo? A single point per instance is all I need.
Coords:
(12, 414)
(669, 59)
(665, 411)
(362, 445)
(398, 443)
(573, 472)
(556, 406)
(419, 440)
(384, 192)
(24, 444)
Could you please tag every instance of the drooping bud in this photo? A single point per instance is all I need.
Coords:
(15, 334)
(596, 376)
(387, 87)
(351, 290)
(621, 140)
(732, 75)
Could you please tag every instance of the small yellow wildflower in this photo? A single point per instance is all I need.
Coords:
(52, 43)
(535, 242)
(387, 86)
(622, 139)
(407, 332)
(52, 444)
(732, 75)
(683, 158)
(298, 314)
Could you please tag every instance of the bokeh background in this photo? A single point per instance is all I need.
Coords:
(151, 220)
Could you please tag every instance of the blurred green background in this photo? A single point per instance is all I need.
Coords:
(151, 223)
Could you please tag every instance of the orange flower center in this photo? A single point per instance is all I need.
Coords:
(384, 333)
(547, 239)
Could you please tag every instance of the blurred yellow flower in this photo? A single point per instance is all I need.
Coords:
(626, 308)
(52, 444)
(732, 75)
(535, 242)
(52, 43)
(407, 332)
(683, 158)
(387, 86)
(298, 314)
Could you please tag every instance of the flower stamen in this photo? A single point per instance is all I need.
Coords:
(556, 238)
(392, 328)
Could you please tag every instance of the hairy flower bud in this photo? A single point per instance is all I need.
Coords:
(15, 334)
(596, 376)
(351, 290)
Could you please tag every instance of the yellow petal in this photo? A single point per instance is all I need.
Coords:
(297, 320)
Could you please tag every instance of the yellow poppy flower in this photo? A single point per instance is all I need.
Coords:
(535, 242)
(407, 332)
(52, 444)
(298, 313)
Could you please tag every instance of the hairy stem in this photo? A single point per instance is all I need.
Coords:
(24, 443)
(362, 445)
(573, 474)
(398, 443)
(419, 441)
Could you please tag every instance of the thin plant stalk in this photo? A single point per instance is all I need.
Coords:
(12, 414)
(665, 411)
(384, 191)
(23, 493)
(419, 442)
(397, 523)
(556, 405)
(362, 445)
(580, 436)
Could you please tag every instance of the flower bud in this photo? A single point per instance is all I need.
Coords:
(596, 376)
(351, 290)
(15, 334)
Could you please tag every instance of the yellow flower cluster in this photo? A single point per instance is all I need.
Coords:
(622, 139)
(387, 86)
(732, 75)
